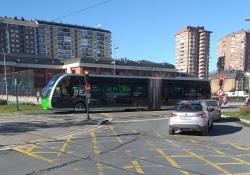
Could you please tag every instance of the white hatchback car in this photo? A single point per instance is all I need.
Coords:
(192, 115)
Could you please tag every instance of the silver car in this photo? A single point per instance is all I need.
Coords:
(191, 116)
(213, 104)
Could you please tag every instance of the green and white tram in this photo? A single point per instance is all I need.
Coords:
(65, 92)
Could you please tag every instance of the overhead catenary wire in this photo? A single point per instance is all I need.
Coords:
(81, 10)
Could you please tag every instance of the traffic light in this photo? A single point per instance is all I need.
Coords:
(86, 77)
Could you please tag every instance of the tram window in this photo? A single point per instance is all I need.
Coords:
(139, 91)
(96, 90)
(57, 92)
(117, 91)
(65, 87)
(190, 92)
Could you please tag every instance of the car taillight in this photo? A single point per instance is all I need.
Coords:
(172, 114)
(202, 115)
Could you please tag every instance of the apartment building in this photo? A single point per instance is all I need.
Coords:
(67, 41)
(192, 51)
(233, 52)
(57, 40)
(18, 35)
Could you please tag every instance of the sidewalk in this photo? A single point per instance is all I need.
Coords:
(21, 99)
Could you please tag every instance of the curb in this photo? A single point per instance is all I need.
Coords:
(241, 120)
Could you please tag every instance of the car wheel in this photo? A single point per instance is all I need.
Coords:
(171, 131)
(80, 107)
(212, 124)
(205, 131)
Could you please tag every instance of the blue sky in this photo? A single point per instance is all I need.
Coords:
(143, 29)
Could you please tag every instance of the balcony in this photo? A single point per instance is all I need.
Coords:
(203, 45)
(202, 63)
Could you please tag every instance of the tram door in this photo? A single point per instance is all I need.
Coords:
(155, 93)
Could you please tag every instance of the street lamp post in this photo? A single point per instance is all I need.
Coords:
(115, 48)
(5, 78)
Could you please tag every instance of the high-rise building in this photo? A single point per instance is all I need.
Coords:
(71, 41)
(18, 35)
(58, 40)
(234, 49)
(192, 51)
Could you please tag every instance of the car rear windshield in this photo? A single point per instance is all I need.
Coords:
(188, 107)
(212, 103)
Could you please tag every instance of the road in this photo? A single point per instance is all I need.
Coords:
(132, 143)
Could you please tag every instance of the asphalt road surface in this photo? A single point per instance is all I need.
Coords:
(132, 143)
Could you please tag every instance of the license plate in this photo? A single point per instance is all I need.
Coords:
(185, 117)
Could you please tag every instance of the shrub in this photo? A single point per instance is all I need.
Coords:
(29, 103)
(245, 110)
(3, 102)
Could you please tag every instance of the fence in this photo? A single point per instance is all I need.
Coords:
(25, 85)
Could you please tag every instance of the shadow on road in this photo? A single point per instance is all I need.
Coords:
(12, 128)
(217, 130)
(224, 130)
(229, 119)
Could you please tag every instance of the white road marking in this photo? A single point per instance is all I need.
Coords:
(139, 120)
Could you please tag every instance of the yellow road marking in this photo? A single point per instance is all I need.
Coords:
(158, 135)
(137, 167)
(180, 156)
(31, 148)
(193, 141)
(241, 161)
(207, 146)
(237, 146)
(230, 163)
(144, 166)
(64, 146)
(243, 155)
(117, 138)
(214, 156)
(129, 167)
(94, 141)
(167, 157)
(99, 166)
(214, 149)
(172, 143)
(44, 152)
(236, 174)
(34, 155)
(208, 162)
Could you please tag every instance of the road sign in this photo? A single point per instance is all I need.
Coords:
(87, 87)
(220, 92)
(225, 99)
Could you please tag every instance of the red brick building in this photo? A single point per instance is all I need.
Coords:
(46, 67)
